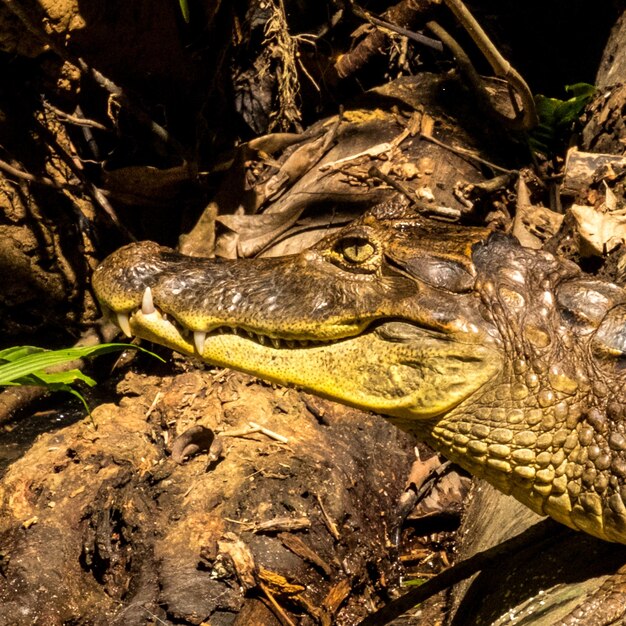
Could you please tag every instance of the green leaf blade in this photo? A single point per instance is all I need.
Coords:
(30, 365)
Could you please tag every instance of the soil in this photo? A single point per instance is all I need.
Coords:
(128, 535)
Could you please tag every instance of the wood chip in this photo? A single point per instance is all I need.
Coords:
(277, 584)
(278, 524)
(337, 595)
(297, 546)
(242, 558)
(582, 169)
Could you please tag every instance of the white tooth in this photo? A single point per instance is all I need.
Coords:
(261, 339)
(235, 330)
(276, 342)
(122, 322)
(147, 304)
(251, 334)
(198, 339)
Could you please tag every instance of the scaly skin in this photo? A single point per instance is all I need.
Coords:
(507, 360)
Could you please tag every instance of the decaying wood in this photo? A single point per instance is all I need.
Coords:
(612, 69)
(605, 127)
(542, 583)
(586, 169)
(125, 532)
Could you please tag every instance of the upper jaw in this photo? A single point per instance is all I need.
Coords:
(156, 292)
(148, 321)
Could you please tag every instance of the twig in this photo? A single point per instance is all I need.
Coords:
(540, 533)
(429, 42)
(332, 527)
(280, 613)
(469, 154)
(278, 524)
(141, 116)
(251, 429)
(405, 12)
(528, 118)
(73, 119)
(157, 399)
(372, 151)
(409, 193)
(90, 140)
(98, 195)
(269, 433)
(31, 178)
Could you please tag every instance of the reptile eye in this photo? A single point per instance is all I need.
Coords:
(356, 249)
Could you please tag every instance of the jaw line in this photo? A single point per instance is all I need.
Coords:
(419, 379)
(154, 327)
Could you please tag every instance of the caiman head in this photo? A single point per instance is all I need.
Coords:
(505, 359)
(382, 316)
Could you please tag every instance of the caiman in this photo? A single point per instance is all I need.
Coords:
(509, 361)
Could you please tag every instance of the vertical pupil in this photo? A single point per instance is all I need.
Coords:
(357, 250)
(352, 250)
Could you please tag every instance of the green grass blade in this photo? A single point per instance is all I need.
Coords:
(28, 365)
(184, 9)
(17, 352)
(38, 362)
(63, 378)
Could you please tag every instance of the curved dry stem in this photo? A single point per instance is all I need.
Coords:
(502, 68)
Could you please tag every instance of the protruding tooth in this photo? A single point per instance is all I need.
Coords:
(275, 342)
(262, 339)
(235, 330)
(147, 304)
(122, 322)
(291, 343)
(198, 340)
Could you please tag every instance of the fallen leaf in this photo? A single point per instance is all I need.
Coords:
(598, 233)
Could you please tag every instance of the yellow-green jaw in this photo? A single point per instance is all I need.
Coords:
(396, 368)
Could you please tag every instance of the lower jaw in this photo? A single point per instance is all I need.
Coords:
(403, 380)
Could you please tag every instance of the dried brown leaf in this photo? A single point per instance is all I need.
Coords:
(598, 233)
